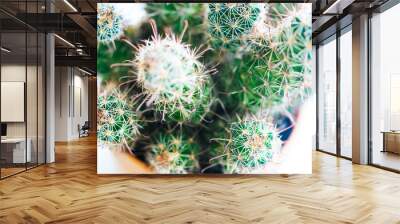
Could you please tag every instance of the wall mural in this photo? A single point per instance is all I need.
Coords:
(187, 88)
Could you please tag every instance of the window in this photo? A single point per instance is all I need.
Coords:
(327, 96)
(346, 93)
(22, 77)
(385, 89)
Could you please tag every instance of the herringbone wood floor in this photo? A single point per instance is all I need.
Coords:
(70, 191)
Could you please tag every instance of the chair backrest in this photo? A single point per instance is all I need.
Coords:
(86, 124)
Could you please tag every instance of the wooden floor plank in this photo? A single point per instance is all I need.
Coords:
(70, 191)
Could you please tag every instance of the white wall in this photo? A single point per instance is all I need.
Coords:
(17, 73)
(61, 103)
(71, 94)
(13, 73)
(81, 89)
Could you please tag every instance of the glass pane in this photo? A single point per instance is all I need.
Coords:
(32, 86)
(23, 85)
(327, 96)
(346, 94)
(31, 98)
(385, 114)
(41, 99)
(314, 87)
(13, 86)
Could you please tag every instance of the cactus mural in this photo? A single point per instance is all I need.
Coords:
(208, 88)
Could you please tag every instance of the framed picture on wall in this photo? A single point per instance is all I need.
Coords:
(12, 101)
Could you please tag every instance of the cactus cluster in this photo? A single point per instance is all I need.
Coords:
(274, 69)
(109, 23)
(226, 73)
(117, 122)
(172, 153)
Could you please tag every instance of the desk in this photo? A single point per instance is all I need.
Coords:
(391, 141)
(16, 147)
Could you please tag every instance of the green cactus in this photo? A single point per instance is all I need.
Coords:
(174, 15)
(171, 77)
(172, 153)
(251, 146)
(118, 124)
(109, 23)
(193, 111)
(295, 47)
(108, 55)
(228, 22)
(274, 71)
(281, 15)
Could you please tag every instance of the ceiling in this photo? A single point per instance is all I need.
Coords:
(74, 21)
(332, 15)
